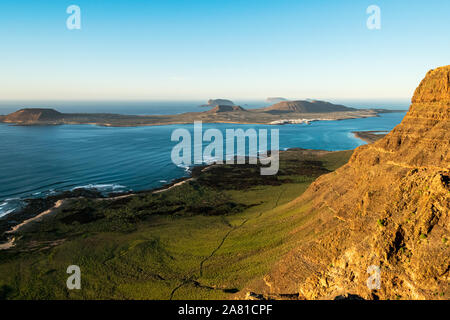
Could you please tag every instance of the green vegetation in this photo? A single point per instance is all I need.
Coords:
(381, 222)
(205, 239)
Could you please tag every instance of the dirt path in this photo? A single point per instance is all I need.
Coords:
(7, 245)
(191, 280)
(173, 186)
(39, 217)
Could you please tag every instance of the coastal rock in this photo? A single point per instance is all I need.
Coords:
(387, 209)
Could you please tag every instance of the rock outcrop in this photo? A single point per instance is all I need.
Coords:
(303, 106)
(387, 209)
(218, 109)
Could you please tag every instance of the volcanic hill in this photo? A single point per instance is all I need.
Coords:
(304, 106)
(33, 115)
(219, 102)
(221, 108)
(387, 208)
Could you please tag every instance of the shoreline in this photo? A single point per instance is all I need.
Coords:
(109, 125)
(249, 117)
(53, 203)
(58, 204)
(279, 122)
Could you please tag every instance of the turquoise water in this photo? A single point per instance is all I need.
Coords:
(37, 161)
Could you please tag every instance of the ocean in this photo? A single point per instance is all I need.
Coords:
(40, 160)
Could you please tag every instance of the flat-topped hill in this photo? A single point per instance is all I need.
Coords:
(32, 115)
(304, 106)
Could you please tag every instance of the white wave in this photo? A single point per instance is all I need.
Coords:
(229, 158)
(100, 187)
(186, 168)
(10, 205)
(8, 212)
(11, 199)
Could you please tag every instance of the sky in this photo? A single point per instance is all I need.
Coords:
(247, 49)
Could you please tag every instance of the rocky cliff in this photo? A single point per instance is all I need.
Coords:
(388, 208)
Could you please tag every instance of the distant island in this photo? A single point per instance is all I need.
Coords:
(306, 106)
(284, 112)
(218, 102)
(275, 99)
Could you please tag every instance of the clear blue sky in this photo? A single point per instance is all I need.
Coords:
(130, 49)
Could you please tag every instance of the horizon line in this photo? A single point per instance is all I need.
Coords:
(404, 99)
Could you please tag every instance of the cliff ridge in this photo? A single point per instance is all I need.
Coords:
(387, 208)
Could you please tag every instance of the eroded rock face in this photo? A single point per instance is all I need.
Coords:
(388, 207)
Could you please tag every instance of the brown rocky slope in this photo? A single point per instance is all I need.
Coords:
(388, 207)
